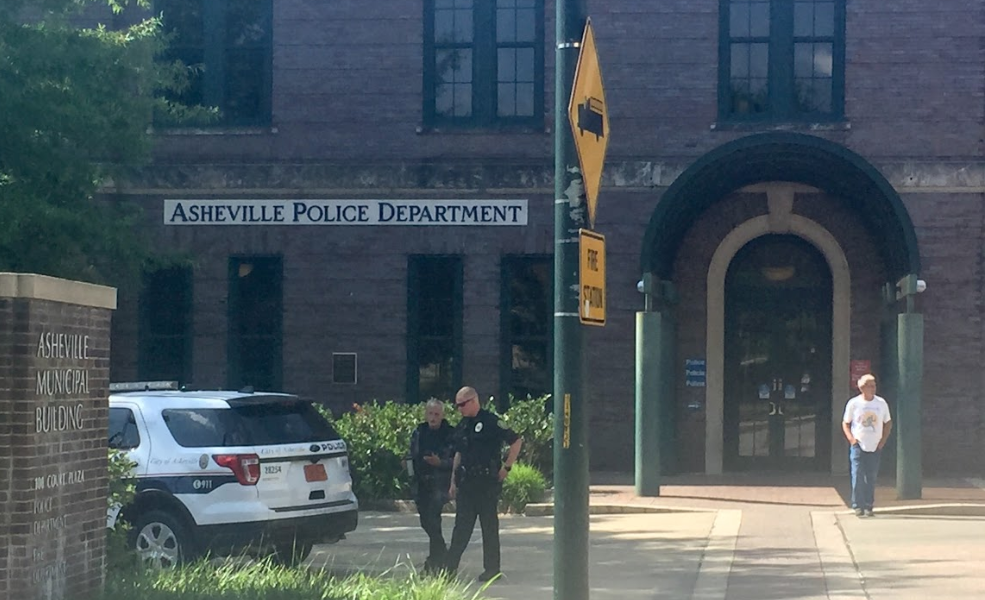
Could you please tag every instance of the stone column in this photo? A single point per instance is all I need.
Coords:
(54, 382)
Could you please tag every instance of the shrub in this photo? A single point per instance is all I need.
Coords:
(532, 419)
(524, 485)
(120, 493)
(378, 438)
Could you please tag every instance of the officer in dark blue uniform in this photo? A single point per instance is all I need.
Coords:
(431, 449)
(478, 474)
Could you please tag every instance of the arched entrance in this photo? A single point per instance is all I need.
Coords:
(777, 410)
(777, 163)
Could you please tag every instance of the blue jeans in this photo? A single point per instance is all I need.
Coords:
(865, 470)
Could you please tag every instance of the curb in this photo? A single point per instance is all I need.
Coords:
(546, 510)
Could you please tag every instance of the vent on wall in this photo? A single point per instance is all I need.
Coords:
(344, 367)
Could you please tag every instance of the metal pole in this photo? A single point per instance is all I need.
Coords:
(570, 406)
(909, 465)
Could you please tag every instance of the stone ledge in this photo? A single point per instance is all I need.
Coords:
(43, 287)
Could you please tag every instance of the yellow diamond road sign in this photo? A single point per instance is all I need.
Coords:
(589, 118)
(591, 277)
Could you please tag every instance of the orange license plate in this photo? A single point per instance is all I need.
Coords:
(315, 473)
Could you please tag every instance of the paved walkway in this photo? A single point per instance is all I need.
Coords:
(725, 539)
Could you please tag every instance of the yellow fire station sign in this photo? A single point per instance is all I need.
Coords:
(591, 277)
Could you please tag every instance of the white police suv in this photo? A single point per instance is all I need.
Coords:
(228, 473)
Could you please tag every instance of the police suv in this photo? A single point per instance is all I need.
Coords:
(229, 472)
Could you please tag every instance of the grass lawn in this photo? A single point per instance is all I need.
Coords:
(263, 581)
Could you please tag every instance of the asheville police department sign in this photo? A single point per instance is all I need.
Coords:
(345, 212)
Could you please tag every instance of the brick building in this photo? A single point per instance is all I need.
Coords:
(772, 166)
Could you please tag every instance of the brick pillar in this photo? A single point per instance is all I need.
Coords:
(54, 385)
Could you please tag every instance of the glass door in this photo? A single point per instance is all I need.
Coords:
(778, 357)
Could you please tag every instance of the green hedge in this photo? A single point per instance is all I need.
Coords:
(524, 485)
(378, 438)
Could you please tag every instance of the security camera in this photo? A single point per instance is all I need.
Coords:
(639, 286)
(921, 286)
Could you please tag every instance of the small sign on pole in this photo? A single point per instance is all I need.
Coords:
(591, 277)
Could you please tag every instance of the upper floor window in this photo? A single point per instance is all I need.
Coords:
(228, 44)
(484, 62)
(782, 59)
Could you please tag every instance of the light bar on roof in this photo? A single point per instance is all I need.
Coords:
(142, 386)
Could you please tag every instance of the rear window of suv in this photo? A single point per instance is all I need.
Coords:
(254, 423)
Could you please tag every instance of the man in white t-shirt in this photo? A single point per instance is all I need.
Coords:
(867, 425)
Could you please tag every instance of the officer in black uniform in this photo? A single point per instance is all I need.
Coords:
(431, 449)
(478, 475)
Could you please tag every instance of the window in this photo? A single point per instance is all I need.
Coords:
(782, 59)
(527, 327)
(228, 44)
(165, 335)
(255, 318)
(484, 62)
(123, 433)
(255, 423)
(344, 367)
(434, 327)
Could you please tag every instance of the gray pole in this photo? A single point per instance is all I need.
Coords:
(570, 406)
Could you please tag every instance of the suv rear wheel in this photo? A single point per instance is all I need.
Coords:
(162, 540)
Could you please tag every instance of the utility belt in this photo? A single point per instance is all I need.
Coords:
(477, 474)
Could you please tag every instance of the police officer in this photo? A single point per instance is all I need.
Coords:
(431, 452)
(478, 473)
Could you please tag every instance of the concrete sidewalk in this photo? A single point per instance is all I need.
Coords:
(736, 538)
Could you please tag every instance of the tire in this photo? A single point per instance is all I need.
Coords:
(291, 555)
(162, 540)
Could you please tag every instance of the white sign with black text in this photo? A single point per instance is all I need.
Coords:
(345, 212)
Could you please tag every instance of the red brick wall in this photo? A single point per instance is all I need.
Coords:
(915, 84)
(52, 472)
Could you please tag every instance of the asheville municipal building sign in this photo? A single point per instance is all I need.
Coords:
(345, 212)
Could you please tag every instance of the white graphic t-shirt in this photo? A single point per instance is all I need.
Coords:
(867, 418)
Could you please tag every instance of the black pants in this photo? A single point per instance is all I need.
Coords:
(430, 500)
(476, 500)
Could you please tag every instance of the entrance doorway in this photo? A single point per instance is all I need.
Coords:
(778, 304)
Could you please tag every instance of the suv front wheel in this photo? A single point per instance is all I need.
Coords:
(162, 540)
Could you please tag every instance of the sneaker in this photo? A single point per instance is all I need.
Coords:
(488, 575)
(869, 512)
(859, 512)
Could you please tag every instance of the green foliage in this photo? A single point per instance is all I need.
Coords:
(524, 485)
(531, 419)
(121, 491)
(74, 113)
(265, 581)
(378, 439)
